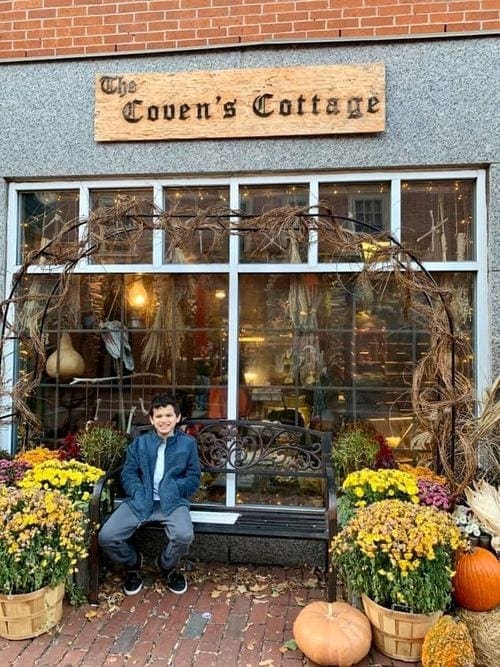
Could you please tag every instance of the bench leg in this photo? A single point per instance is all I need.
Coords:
(94, 563)
(331, 578)
(331, 585)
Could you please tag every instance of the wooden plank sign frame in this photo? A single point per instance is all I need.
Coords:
(264, 102)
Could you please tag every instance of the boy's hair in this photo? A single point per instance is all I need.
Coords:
(162, 401)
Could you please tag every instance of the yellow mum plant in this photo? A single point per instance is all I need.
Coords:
(73, 478)
(41, 539)
(366, 486)
(399, 553)
(37, 455)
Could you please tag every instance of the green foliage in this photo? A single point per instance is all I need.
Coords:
(355, 447)
(102, 445)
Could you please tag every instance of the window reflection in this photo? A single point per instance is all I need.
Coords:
(258, 199)
(368, 203)
(42, 216)
(206, 243)
(338, 353)
(437, 219)
(125, 246)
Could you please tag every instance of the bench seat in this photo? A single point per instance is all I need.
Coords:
(247, 450)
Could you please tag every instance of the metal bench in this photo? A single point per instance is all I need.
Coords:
(257, 479)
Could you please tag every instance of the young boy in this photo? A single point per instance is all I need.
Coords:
(160, 474)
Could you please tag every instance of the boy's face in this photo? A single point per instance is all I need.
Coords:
(164, 420)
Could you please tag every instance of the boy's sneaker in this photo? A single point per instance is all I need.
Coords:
(176, 581)
(132, 582)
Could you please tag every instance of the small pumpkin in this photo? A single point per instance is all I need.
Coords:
(333, 633)
(448, 644)
(476, 584)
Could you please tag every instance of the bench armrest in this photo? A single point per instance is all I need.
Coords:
(96, 500)
(96, 513)
(331, 499)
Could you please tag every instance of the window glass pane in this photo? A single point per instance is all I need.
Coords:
(437, 219)
(207, 242)
(212, 489)
(323, 350)
(280, 490)
(42, 215)
(261, 246)
(136, 335)
(120, 241)
(367, 203)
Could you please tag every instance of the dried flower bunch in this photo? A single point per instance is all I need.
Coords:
(484, 501)
(399, 553)
(41, 539)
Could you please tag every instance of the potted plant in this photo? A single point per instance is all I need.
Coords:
(102, 445)
(399, 557)
(41, 539)
(359, 446)
(366, 486)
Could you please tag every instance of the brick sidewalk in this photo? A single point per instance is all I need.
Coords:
(231, 616)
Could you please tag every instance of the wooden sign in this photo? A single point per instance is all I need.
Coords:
(267, 102)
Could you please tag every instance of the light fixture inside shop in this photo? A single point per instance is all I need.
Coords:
(252, 339)
(137, 295)
(220, 294)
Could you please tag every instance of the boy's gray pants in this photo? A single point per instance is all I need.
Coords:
(116, 532)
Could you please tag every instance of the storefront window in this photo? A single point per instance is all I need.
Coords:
(319, 343)
(437, 219)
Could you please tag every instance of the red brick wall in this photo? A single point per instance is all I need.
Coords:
(31, 28)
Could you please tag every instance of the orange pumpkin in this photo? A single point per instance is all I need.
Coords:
(476, 584)
(333, 633)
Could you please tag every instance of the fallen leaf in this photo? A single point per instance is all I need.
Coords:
(290, 645)
(310, 583)
(256, 588)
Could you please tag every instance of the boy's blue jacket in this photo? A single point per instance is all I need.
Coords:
(181, 478)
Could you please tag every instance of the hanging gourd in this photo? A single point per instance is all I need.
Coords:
(65, 362)
(476, 584)
(448, 644)
(333, 633)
